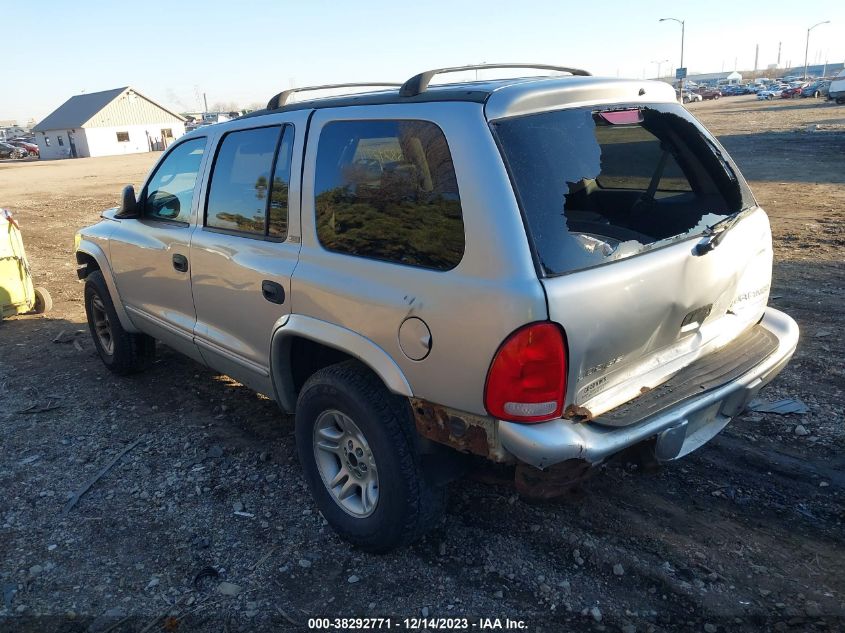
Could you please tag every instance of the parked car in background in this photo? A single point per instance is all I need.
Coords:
(689, 97)
(30, 148)
(709, 93)
(817, 89)
(10, 151)
(770, 93)
(836, 91)
(431, 271)
(793, 92)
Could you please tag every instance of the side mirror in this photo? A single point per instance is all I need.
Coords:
(129, 207)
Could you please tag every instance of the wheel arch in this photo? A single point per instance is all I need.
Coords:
(90, 257)
(302, 345)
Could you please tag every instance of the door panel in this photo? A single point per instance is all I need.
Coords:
(235, 320)
(244, 251)
(157, 296)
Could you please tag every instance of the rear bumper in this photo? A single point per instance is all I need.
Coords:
(679, 430)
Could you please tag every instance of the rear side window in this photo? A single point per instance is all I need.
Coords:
(387, 190)
(242, 190)
(237, 198)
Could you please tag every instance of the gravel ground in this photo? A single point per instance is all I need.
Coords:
(205, 524)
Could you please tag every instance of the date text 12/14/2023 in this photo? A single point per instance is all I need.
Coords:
(416, 624)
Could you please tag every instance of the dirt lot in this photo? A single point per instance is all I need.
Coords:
(745, 534)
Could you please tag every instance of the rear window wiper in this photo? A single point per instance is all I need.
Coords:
(716, 232)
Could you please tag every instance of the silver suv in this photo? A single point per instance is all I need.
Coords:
(541, 271)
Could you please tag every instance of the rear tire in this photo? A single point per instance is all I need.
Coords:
(402, 504)
(121, 351)
(43, 301)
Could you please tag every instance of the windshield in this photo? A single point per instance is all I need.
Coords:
(601, 185)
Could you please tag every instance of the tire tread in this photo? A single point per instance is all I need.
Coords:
(426, 501)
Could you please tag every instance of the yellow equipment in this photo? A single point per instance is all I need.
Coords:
(17, 294)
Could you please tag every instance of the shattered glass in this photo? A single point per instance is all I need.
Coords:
(597, 186)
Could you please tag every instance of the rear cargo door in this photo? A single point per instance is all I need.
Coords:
(651, 249)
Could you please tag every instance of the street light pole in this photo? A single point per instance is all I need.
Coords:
(683, 25)
(807, 45)
(659, 64)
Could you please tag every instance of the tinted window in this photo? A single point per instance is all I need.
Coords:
(237, 198)
(278, 222)
(171, 189)
(598, 186)
(387, 190)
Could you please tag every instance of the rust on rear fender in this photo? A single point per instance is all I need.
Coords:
(578, 413)
(462, 431)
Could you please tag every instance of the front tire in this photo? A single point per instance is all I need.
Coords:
(357, 446)
(121, 351)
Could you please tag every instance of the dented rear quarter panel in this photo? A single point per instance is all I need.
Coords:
(623, 319)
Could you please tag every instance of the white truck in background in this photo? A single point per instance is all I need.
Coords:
(837, 88)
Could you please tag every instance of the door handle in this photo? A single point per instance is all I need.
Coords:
(273, 292)
(180, 263)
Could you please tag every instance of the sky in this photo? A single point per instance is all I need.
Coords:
(244, 51)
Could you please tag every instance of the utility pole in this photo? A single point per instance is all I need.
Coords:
(756, 58)
(779, 45)
(205, 103)
(681, 22)
(807, 45)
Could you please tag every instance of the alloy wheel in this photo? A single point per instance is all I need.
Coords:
(102, 326)
(346, 463)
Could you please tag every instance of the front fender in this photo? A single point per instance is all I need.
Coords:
(340, 338)
(89, 248)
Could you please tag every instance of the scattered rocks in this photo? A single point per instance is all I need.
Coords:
(424, 611)
(215, 452)
(238, 506)
(813, 610)
(228, 589)
(352, 579)
(710, 628)
(304, 562)
(595, 612)
(618, 570)
(801, 430)
(35, 571)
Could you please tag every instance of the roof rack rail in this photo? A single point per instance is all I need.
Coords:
(282, 98)
(418, 83)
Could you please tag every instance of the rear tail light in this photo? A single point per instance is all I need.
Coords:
(527, 378)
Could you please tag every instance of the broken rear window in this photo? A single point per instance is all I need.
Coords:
(600, 185)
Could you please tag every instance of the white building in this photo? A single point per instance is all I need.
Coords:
(717, 79)
(119, 121)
